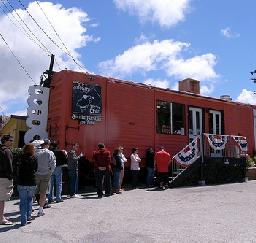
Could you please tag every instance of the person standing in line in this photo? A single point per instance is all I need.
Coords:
(162, 159)
(123, 160)
(117, 170)
(102, 159)
(27, 167)
(6, 175)
(135, 167)
(56, 178)
(46, 161)
(73, 169)
(150, 164)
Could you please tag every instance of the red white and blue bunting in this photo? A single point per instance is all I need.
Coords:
(242, 143)
(189, 154)
(217, 142)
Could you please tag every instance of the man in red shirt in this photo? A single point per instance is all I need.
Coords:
(162, 159)
(102, 159)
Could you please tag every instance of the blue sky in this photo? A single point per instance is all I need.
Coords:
(155, 41)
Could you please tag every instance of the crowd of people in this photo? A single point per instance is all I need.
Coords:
(39, 173)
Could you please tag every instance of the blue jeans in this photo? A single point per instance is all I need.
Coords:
(26, 194)
(56, 182)
(73, 181)
(99, 176)
(150, 176)
(116, 182)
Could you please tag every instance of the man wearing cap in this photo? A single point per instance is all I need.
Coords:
(46, 164)
(6, 175)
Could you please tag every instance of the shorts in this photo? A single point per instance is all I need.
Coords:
(42, 182)
(6, 189)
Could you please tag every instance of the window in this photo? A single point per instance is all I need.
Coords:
(215, 122)
(163, 117)
(170, 118)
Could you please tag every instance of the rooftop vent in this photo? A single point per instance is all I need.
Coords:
(226, 97)
(190, 85)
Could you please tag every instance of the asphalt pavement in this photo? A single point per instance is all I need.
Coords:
(220, 213)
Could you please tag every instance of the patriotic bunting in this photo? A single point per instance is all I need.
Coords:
(217, 142)
(189, 154)
(242, 143)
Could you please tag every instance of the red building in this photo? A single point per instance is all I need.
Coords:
(90, 109)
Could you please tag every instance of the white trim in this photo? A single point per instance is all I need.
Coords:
(194, 122)
(214, 121)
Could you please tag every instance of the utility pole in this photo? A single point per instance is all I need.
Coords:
(46, 78)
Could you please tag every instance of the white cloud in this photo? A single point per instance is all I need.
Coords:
(141, 39)
(157, 83)
(198, 67)
(206, 89)
(166, 12)
(94, 25)
(161, 55)
(2, 108)
(247, 96)
(20, 113)
(227, 32)
(69, 24)
(143, 57)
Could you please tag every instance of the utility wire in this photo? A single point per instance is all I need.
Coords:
(49, 36)
(21, 29)
(17, 59)
(55, 31)
(27, 26)
(39, 43)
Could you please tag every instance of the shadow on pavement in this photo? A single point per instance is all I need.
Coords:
(9, 227)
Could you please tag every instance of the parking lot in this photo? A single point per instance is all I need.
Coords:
(221, 213)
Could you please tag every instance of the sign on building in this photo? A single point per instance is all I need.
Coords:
(86, 103)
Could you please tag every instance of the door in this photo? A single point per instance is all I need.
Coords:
(215, 128)
(195, 122)
(215, 122)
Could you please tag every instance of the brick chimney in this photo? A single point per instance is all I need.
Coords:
(190, 85)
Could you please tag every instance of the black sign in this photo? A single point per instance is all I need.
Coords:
(86, 103)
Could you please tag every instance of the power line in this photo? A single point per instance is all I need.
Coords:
(27, 26)
(49, 36)
(17, 59)
(55, 31)
(39, 43)
(21, 29)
